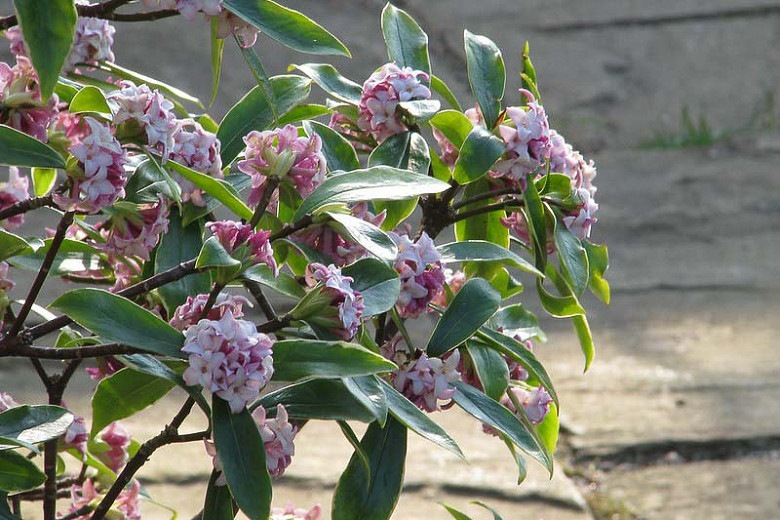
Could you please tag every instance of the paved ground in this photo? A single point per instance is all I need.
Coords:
(679, 415)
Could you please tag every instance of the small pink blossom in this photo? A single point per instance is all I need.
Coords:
(455, 280)
(422, 277)
(7, 402)
(278, 435)
(118, 440)
(290, 512)
(11, 192)
(427, 380)
(191, 311)
(106, 366)
(349, 129)
(136, 234)
(149, 111)
(582, 219)
(527, 141)
(347, 301)
(243, 243)
(20, 97)
(126, 506)
(228, 24)
(198, 149)
(228, 357)
(77, 435)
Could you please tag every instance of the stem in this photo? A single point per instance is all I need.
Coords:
(23, 206)
(83, 510)
(104, 11)
(289, 229)
(379, 334)
(36, 352)
(275, 324)
(51, 254)
(487, 195)
(273, 183)
(212, 299)
(256, 290)
(486, 209)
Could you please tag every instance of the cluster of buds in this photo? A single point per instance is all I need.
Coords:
(227, 22)
(282, 153)
(422, 277)
(229, 358)
(198, 149)
(136, 232)
(11, 192)
(118, 440)
(332, 303)
(126, 506)
(98, 177)
(244, 244)
(527, 141)
(191, 311)
(382, 92)
(140, 110)
(20, 98)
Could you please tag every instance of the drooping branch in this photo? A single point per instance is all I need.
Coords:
(89, 351)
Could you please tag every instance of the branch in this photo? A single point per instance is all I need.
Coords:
(498, 206)
(486, 195)
(289, 229)
(23, 206)
(90, 351)
(270, 188)
(105, 11)
(275, 324)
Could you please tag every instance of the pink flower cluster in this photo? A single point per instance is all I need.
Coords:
(455, 281)
(527, 141)
(243, 243)
(227, 22)
(565, 159)
(198, 149)
(100, 178)
(290, 512)
(326, 240)
(422, 277)
(382, 92)
(20, 97)
(191, 311)
(136, 234)
(228, 357)
(148, 111)
(11, 192)
(127, 503)
(282, 153)
(118, 440)
(535, 402)
(106, 366)
(91, 43)
(347, 301)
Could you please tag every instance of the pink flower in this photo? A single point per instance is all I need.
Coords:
(426, 381)
(118, 440)
(278, 435)
(282, 153)
(126, 506)
(290, 512)
(535, 402)
(382, 92)
(228, 357)
(136, 234)
(347, 302)
(190, 312)
(198, 149)
(581, 219)
(228, 23)
(147, 111)
(129, 501)
(7, 402)
(81, 496)
(11, 192)
(243, 243)
(349, 129)
(77, 435)
(527, 141)
(455, 280)
(100, 178)
(422, 277)
(20, 97)
(106, 366)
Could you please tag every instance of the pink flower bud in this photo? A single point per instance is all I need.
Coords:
(6, 402)
(347, 301)
(422, 277)
(278, 435)
(118, 440)
(190, 312)
(198, 149)
(136, 234)
(426, 381)
(11, 192)
(147, 109)
(20, 97)
(243, 243)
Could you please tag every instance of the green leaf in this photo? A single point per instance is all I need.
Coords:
(115, 318)
(582, 328)
(18, 473)
(496, 516)
(598, 263)
(482, 251)
(219, 501)
(283, 283)
(90, 100)
(418, 421)
(217, 50)
(491, 369)
(339, 154)
(367, 390)
(367, 235)
(474, 304)
(242, 454)
(515, 320)
(457, 515)
(288, 27)
(407, 44)
(296, 359)
(149, 180)
(329, 80)
(326, 399)
(441, 88)
(304, 112)
(490, 412)
(377, 282)
(5, 510)
(537, 224)
(549, 428)
(261, 76)
(212, 254)
(123, 394)
(33, 424)
(43, 180)
(421, 110)
(140, 79)
(386, 449)
(485, 226)
(487, 75)
(19, 149)
(519, 353)
(11, 244)
(217, 188)
(573, 258)
(406, 151)
(180, 244)
(355, 442)
(72, 256)
(558, 306)
(48, 35)
(376, 183)
(253, 112)
(454, 125)
(479, 152)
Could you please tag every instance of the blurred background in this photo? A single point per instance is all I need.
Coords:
(676, 101)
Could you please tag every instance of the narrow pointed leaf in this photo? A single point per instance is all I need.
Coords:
(582, 328)
(407, 44)
(441, 88)
(217, 50)
(138, 78)
(33, 424)
(598, 263)
(487, 75)
(573, 258)
(326, 399)
(296, 359)
(19, 149)
(339, 154)
(332, 82)
(361, 454)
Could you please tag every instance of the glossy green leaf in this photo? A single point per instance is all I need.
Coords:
(441, 88)
(421, 110)
(326, 399)
(522, 468)
(217, 50)
(549, 429)
(297, 358)
(598, 263)
(219, 502)
(491, 369)
(367, 235)
(408, 414)
(537, 224)
(217, 188)
(407, 44)
(282, 283)
(386, 450)
(141, 79)
(261, 76)
(72, 257)
(180, 244)
(483, 251)
(377, 282)
(90, 100)
(124, 394)
(454, 513)
(18, 473)
(517, 321)
(367, 390)
(329, 80)
(479, 152)
(361, 454)
(490, 412)
(376, 183)
(582, 328)
(115, 318)
(474, 304)
(288, 27)
(528, 74)
(33, 424)
(339, 154)
(253, 112)
(149, 181)
(303, 113)
(558, 306)
(487, 75)
(496, 516)
(43, 180)
(573, 259)
(11, 244)
(242, 453)
(48, 36)
(212, 254)
(19, 149)
(454, 125)
(239, 183)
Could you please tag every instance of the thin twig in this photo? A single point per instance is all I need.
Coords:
(486, 195)
(289, 229)
(256, 290)
(105, 11)
(486, 209)
(275, 324)
(26, 205)
(270, 188)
